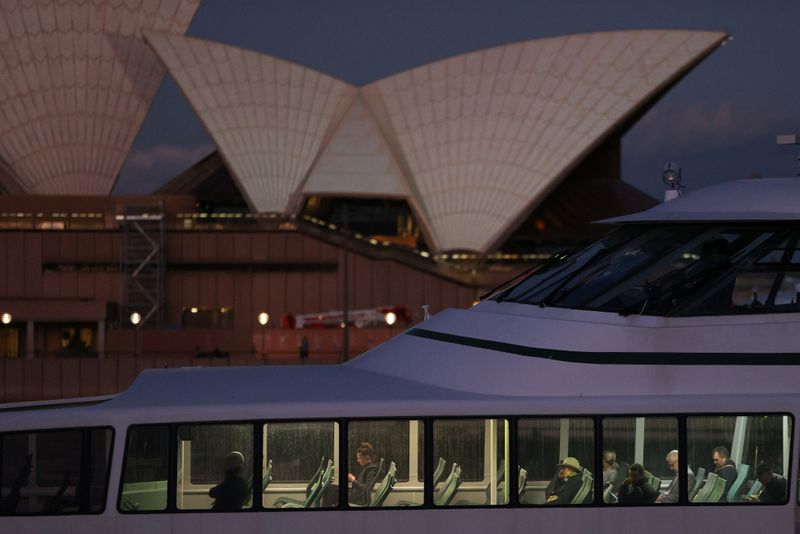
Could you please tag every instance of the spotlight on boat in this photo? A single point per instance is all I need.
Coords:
(390, 318)
(5, 318)
(671, 178)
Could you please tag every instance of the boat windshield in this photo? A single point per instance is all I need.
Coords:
(673, 269)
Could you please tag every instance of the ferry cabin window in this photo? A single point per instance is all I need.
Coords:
(647, 442)
(476, 455)
(383, 467)
(743, 459)
(55, 472)
(660, 269)
(144, 484)
(215, 467)
(556, 458)
(299, 465)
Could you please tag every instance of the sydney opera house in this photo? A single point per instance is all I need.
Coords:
(322, 197)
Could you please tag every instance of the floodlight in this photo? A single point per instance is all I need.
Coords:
(5, 318)
(672, 175)
(136, 318)
(390, 318)
(263, 318)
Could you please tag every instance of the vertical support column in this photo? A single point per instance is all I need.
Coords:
(101, 339)
(638, 448)
(787, 445)
(413, 450)
(30, 351)
(563, 439)
(491, 458)
(739, 433)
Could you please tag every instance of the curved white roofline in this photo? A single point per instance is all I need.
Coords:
(77, 83)
(753, 199)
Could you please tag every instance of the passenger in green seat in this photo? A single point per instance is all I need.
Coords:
(635, 489)
(672, 493)
(774, 486)
(361, 490)
(231, 494)
(563, 488)
(724, 468)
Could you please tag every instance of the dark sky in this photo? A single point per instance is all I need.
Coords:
(718, 123)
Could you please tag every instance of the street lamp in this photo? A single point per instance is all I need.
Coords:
(135, 320)
(263, 319)
(6, 318)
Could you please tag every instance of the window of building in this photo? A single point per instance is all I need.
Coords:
(383, 462)
(300, 459)
(144, 483)
(215, 467)
(55, 472)
(475, 454)
(10, 342)
(556, 458)
(740, 458)
(642, 450)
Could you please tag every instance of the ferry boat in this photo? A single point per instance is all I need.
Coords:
(648, 382)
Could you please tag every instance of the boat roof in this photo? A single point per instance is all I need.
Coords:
(749, 200)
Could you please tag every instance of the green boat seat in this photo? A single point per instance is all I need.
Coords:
(314, 479)
(698, 481)
(449, 488)
(385, 487)
(317, 490)
(733, 493)
(439, 471)
(586, 492)
(522, 480)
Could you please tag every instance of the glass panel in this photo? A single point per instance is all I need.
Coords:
(41, 472)
(215, 467)
(303, 457)
(789, 291)
(379, 455)
(100, 441)
(555, 458)
(474, 463)
(144, 485)
(640, 460)
(745, 457)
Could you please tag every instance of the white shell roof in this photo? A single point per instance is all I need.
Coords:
(357, 160)
(758, 199)
(77, 81)
(269, 117)
(484, 136)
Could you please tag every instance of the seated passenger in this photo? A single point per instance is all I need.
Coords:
(725, 468)
(774, 486)
(231, 494)
(610, 468)
(567, 483)
(672, 493)
(635, 489)
(361, 490)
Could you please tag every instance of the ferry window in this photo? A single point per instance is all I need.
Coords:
(215, 467)
(743, 458)
(640, 460)
(380, 458)
(43, 472)
(555, 456)
(300, 459)
(475, 452)
(144, 484)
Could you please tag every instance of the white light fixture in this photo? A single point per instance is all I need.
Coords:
(193, 309)
(672, 175)
(390, 318)
(263, 318)
(136, 318)
(5, 318)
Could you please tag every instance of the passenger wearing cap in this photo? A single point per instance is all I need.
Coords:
(231, 494)
(567, 483)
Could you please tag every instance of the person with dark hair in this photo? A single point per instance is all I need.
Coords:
(566, 484)
(773, 486)
(724, 467)
(361, 490)
(231, 494)
(635, 489)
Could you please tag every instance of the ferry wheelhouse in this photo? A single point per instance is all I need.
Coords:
(671, 344)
